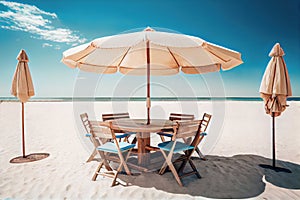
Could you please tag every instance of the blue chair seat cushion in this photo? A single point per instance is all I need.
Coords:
(88, 135)
(180, 146)
(112, 148)
(165, 134)
(123, 135)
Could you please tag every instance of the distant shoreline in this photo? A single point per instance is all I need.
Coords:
(108, 99)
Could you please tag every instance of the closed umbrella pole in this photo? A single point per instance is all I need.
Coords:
(273, 136)
(148, 83)
(23, 131)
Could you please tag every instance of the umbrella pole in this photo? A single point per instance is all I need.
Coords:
(148, 83)
(23, 135)
(273, 131)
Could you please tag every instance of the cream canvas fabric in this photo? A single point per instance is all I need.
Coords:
(22, 86)
(275, 85)
(149, 53)
(169, 53)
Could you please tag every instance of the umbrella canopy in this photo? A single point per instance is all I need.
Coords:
(22, 86)
(169, 53)
(275, 85)
(151, 52)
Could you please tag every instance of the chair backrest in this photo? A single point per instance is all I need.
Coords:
(205, 121)
(85, 120)
(180, 116)
(187, 129)
(95, 129)
(101, 131)
(113, 116)
(88, 127)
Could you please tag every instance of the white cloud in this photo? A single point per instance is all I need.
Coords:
(47, 45)
(29, 18)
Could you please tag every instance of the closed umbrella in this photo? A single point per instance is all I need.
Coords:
(275, 88)
(151, 52)
(22, 88)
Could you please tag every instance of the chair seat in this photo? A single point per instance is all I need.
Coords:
(123, 135)
(88, 135)
(165, 134)
(112, 148)
(180, 146)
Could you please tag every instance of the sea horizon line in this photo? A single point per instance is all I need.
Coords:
(105, 99)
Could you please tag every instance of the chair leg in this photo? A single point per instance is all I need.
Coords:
(163, 168)
(171, 166)
(116, 175)
(98, 170)
(134, 140)
(182, 166)
(122, 164)
(92, 156)
(125, 163)
(162, 138)
(173, 170)
(107, 166)
(200, 154)
(126, 139)
(165, 165)
(194, 169)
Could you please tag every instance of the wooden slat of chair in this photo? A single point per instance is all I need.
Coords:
(176, 117)
(181, 116)
(205, 121)
(114, 116)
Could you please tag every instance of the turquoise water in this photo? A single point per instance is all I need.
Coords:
(106, 99)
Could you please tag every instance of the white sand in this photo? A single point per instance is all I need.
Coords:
(239, 138)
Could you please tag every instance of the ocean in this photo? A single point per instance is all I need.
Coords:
(107, 99)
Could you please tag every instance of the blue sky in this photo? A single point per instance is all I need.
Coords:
(47, 28)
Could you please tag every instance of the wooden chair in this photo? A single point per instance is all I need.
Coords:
(86, 123)
(185, 117)
(113, 146)
(174, 117)
(113, 116)
(184, 129)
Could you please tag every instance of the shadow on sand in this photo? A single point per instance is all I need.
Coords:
(239, 176)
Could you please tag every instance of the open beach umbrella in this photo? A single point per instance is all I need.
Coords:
(151, 52)
(22, 88)
(275, 87)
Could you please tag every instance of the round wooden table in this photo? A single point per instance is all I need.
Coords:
(143, 131)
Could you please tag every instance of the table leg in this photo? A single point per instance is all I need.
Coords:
(143, 153)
